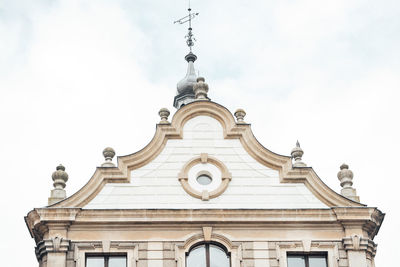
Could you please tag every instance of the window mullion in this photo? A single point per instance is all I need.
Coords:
(208, 255)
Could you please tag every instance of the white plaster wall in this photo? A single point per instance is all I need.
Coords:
(156, 185)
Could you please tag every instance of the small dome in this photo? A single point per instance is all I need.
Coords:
(186, 84)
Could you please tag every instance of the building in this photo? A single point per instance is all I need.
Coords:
(204, 192)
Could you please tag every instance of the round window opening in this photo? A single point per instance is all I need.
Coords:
(204, 179)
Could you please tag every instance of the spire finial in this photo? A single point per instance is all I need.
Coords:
(60, 177)
(185, 93)
(297, 154)
(108, 154)
(189, 37)
(345, 177)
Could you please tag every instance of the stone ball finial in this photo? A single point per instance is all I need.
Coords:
(345, 177)
(164, 113)
(297, 154)
(60, 177)
(108, 154)
(200, 89)
(240, 114)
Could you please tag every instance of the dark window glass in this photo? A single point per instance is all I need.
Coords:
(197, 257)
(208, 255)
(317, 261)
(296, 261)
(218, 257)
(305, 260)
(117, 262)
(204, 179)
(106, 261)
(95, 262)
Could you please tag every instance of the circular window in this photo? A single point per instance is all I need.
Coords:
(204, 179)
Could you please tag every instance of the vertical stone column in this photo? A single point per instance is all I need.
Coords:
(57, 245)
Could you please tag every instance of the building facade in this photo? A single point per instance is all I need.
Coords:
(204, 192)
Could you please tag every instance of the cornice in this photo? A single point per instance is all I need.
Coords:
(369, 218)
(231, 130)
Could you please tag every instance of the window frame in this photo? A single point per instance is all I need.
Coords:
(207, 247)
(84, 249)
(330, 248)
(106, 257)
(307, 256)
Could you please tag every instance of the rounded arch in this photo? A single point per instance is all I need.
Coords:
(201, 243)
(208, 253)
(215, 238)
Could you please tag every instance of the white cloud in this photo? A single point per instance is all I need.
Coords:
(77, 76)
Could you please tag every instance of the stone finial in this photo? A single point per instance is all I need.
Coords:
(297, 154)
(240, 114)
(345, 177)
(108, 154)
(164, 113)
(200, 89)
(60, 177)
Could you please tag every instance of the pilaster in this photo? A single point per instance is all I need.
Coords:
(360, 251)
(52, 252)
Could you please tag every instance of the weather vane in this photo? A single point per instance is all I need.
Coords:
(190, 39)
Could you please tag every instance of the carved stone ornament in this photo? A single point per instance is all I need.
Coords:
(357, 243)
(205, 194)
(108, 154)
(345, 177)
(164, 113)
(240, 114)
(200, 89)
(60, 177)
(297, 154)
(55, 244)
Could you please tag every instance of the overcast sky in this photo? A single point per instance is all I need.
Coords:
(77, 76)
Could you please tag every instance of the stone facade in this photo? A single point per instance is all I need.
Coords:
(260, 206)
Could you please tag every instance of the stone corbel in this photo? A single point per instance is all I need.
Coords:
(55, 244)
(355, 242)
(359, 243)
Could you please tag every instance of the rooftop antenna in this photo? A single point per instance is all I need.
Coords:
(190, 39)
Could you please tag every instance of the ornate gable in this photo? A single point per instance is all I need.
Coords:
(245, 174)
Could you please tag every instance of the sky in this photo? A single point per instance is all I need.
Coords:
(78, 76)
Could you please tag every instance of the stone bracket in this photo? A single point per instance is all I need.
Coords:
(55, 244)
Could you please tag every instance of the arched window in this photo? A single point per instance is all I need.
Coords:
(208, 255)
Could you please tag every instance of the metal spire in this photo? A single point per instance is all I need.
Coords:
(190, 39)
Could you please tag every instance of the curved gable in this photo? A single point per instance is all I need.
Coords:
(260, 178)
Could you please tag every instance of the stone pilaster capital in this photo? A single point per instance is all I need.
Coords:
(55, 244)
(359, 243)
